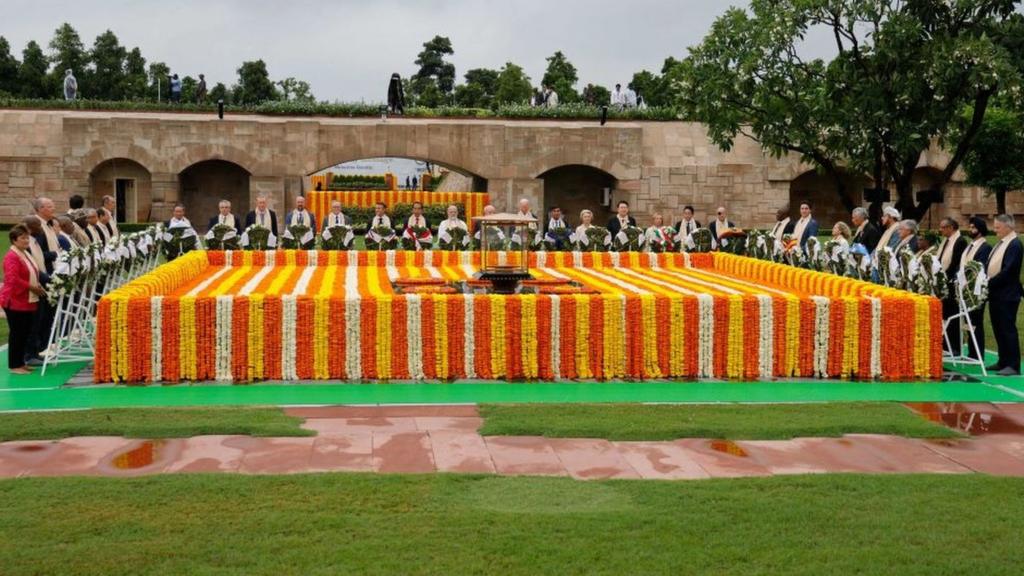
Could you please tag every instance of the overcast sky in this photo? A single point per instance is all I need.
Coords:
(347, 49)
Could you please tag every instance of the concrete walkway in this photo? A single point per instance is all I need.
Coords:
(421, 439)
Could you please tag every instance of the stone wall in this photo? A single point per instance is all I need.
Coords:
(656, 166)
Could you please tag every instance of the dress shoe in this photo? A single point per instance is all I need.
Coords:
(1008, 372)
(994, 368)
(37, 361)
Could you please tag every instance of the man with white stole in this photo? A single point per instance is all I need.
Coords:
(225, 217)
(300, 216)
(806, 226)
(951, 250)
(335, 218)
(450, 223)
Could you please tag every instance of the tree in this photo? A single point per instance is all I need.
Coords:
(135, 78)
(32, 72)
(479, 89)
(996, 161)
(513, 85)
(254, 85)
(106, 77)
(296, 90)
(902, 73)
(188, 89)
(8, 69)
(159, 81)
(596, 95)
(67, 53)
(220, 92)
(433, 84)
(561, 76)
(656, 89)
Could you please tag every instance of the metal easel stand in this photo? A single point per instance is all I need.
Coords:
(963, 317)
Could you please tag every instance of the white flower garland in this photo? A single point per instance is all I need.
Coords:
(652, 260)
(470, 338)
(353, 354)
(414, 336)
(303, 282)
(615, 259)
(821, 331)
(686, 260)
(556, 336)
(542, 259)
(502, 258)
(271, 256)
(156, 314)
(876, 337)
(706, 331)
(577, 259)
(289, 313)
(766, 337)
(222, 362)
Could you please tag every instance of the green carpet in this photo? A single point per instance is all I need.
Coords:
(35, 392)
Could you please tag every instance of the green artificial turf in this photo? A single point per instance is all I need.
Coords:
(149, 423)
(732, 421)
(453, 524)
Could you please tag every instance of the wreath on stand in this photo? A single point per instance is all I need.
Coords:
(453, 238)
(557, 239)
(417, 238)
(700, 240)
(661, 240)
(258, 237)
(381, 238)
(178, 241)
(593, 239)
(629, 239)
(222, 237)
(338, 237)
(298, 236)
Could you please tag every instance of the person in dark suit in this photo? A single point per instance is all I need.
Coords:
(688, 224)
(622, 219)
(951, 250)
(335, 217)
(866, 234)
(300, 216)
(417, 219)
(1004, 294)
(720, 224)
(225, 216)
(977, 251)
(806, 227)
(262, 215)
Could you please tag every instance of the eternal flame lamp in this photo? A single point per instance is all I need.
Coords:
(504, 270)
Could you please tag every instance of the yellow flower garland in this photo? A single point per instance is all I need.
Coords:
(255, 342)
(583, 336)
(498, 351)
(528, 313)
(441, 335)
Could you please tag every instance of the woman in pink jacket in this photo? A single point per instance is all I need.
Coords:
(18, 297)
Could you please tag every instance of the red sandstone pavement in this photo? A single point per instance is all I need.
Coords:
(419, 439)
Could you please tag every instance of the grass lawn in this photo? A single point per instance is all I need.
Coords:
(732, 421)
(455, 524)
(149, 423)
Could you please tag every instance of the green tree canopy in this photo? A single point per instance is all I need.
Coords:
(434, 82)
(219, 92)
(902, 73)
(67, 53)
(596, 95)
(296, 90)
(8, 69)
(135, 78)
(479, 89)
(513, 85)
(561, 75)
(254, 85)
(159, 82)
(106, 77)
(996, 160)
(32, 72)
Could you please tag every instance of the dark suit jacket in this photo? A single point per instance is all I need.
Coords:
(810, 230)
(983, 253)
(869, 237)
(49, 256)
(565, 221)
(713, 226)
(958, 253)
(250, 219)
(614, 227)
(216, 220)
(312, 220)
(1005, 285)
(679, 225)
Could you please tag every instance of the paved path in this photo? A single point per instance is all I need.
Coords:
(420, 439)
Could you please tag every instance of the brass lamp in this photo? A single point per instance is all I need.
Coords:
(495, 232)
